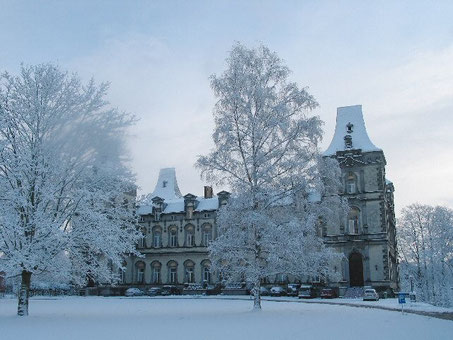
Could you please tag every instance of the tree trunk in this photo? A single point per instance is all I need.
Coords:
(257, 296)
(24, 292)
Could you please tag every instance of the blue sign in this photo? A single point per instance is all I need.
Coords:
(401, 298)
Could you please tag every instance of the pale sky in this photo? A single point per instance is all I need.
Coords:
(395, 58)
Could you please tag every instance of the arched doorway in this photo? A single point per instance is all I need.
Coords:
(355, 270)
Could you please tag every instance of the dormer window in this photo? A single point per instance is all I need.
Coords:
(164, 184)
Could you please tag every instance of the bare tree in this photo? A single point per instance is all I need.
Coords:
(266, 149)
(425, 240)
(63, 183)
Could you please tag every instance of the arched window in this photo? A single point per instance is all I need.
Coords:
(207, 234)
(173, 237)
(189, 274)
(351, 183)
(140, 277)
(122, 275)
(354, 221)
(155, 272)
(157, 237)
(190, 236)
(206, 271)
(172, 272)
(142, 240)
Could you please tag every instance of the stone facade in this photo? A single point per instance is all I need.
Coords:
(176, 230)
(368, 236)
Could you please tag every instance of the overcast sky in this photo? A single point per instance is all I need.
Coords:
(393, 57)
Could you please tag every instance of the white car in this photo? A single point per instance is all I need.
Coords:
(277, 291)
(134, 292)
(370, 295)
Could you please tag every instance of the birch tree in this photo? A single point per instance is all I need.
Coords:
(64, 203)
(425, 241)
(266, 150)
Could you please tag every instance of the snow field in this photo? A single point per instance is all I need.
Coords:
(200, 318)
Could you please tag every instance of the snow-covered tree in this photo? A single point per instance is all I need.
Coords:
(66, 196)
(425, 241)
(266, 150)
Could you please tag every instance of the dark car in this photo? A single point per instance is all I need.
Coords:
(170, 290)
(328, 293)
(307, 292)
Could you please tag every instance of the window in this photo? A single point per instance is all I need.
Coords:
(172, 275)
(172, 272)
(122, 275)
(157, 237)
(354, 221)
(140, 278)
(351, 183)
(142, 242)
(207, 235)
(164, 184)
(190, 236)
(173, 238)
(206, 274)
(155, 274)
(206, 215)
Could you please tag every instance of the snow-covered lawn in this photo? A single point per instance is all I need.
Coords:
(206, 318)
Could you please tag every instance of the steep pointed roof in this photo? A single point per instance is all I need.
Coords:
(350, 132)
(167, 185)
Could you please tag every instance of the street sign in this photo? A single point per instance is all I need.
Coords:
(402, 301)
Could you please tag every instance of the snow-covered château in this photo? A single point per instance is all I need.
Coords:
(177, 229)
(368, 237)
(176, 232)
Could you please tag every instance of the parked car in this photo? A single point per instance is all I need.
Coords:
(264, 291)
(370, 295)
(154, 291)
(328, 293)
(293, 289)
(170, 290)
(278, 291)
(307, 292)
(133, 292)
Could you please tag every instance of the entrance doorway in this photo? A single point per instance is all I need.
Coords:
(355, 270)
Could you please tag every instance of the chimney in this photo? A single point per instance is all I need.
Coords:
(208, 192)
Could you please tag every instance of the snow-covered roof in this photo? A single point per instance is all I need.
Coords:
(177, 206)
(167, 185)
(350, 124)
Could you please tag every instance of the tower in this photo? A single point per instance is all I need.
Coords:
(367, 236)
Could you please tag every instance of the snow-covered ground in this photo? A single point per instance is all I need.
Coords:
(383, 303)
(207, 318)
